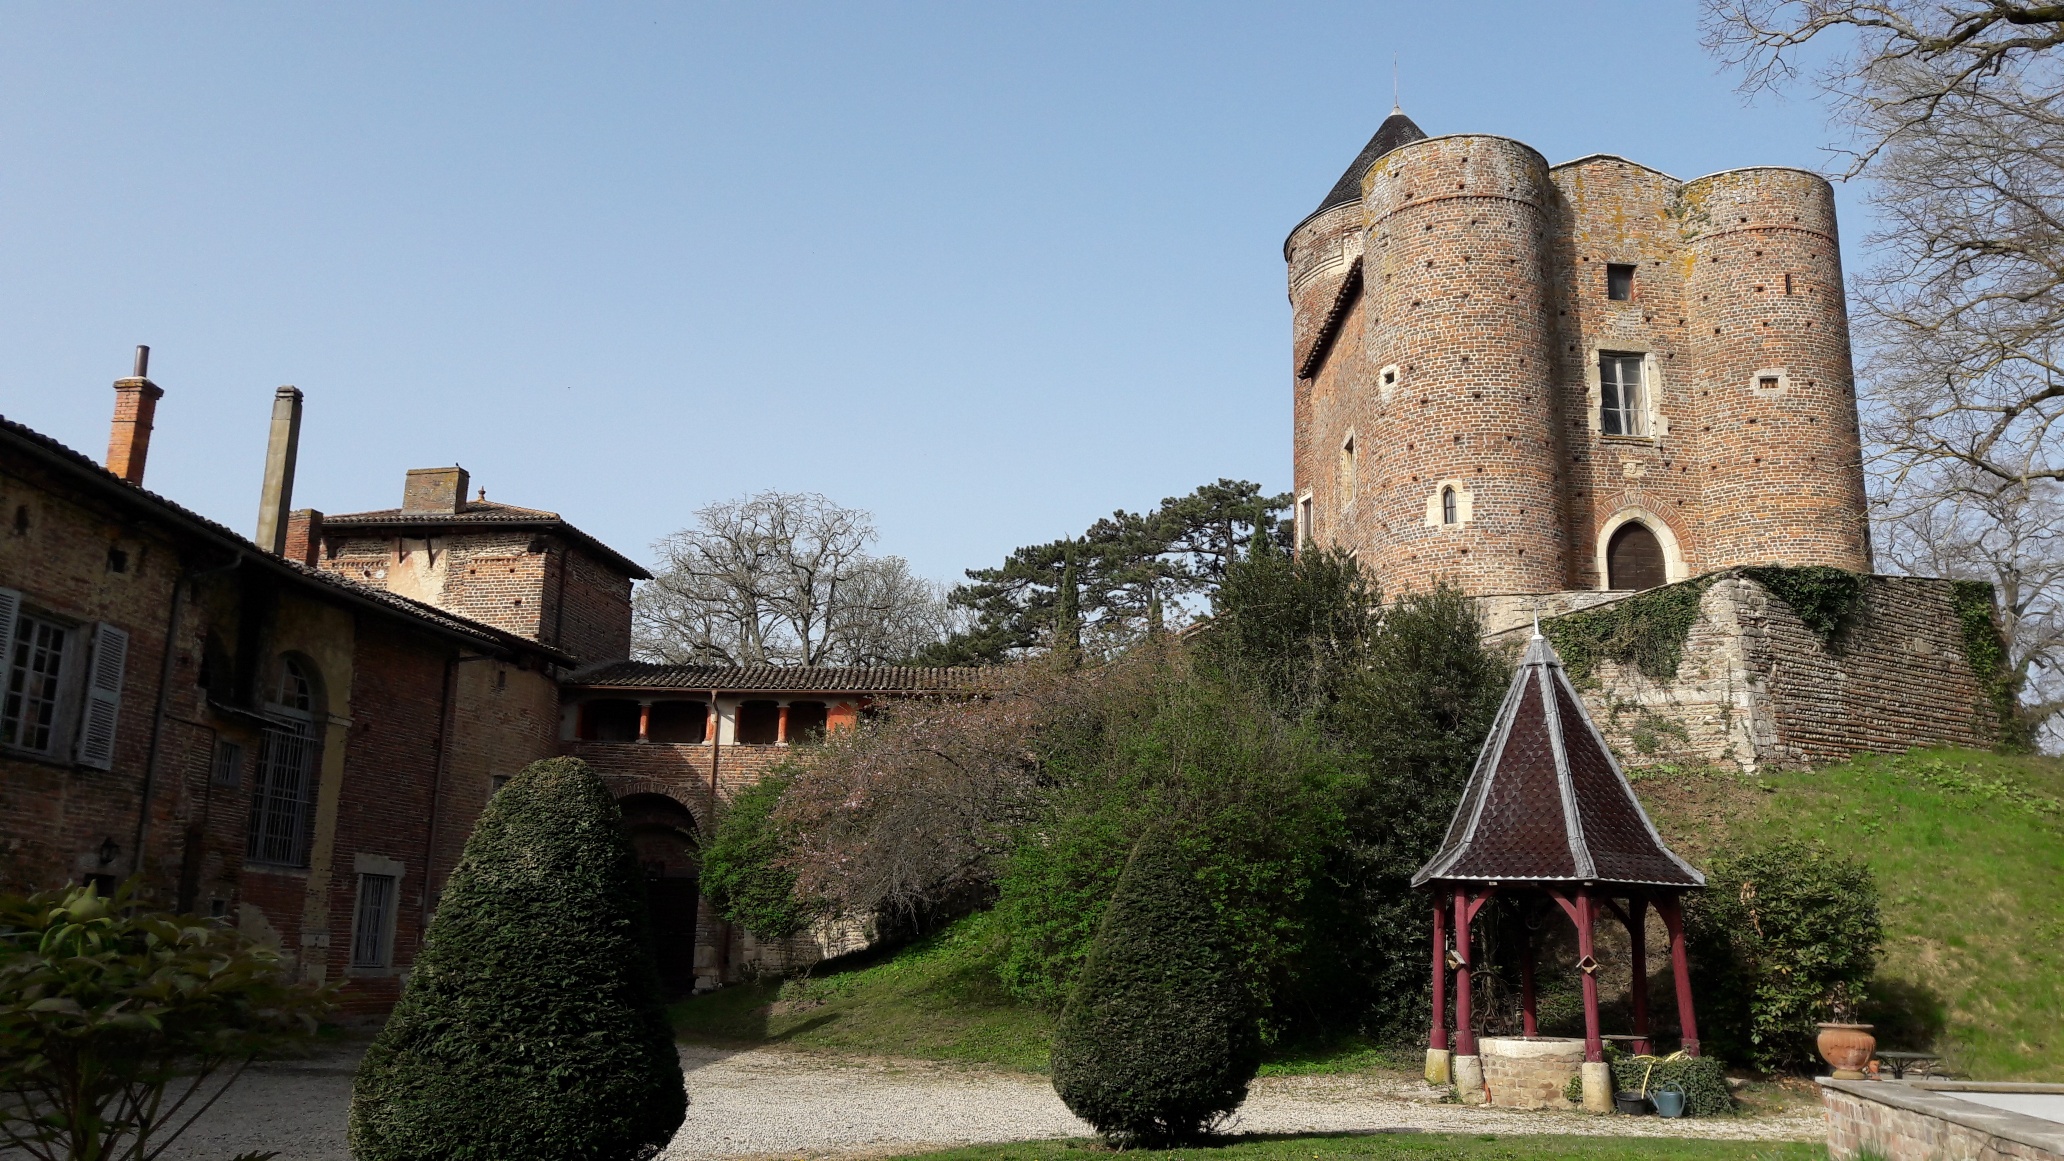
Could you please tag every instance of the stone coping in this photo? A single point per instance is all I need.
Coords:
(1936, 1098)
(1520, 1048)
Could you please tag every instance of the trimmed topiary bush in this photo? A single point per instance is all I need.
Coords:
(1159, 1040)
(532, 1028)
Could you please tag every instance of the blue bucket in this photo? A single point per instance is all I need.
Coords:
(1670, 1100)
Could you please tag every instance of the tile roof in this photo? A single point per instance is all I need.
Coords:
(28, 439)
(1397, 129)
(771, 678)
(1547, 801)
(488, 514)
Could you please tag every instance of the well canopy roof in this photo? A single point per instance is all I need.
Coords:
(1547, 802)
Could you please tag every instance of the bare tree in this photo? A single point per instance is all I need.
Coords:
(1956, 113)
(783, 578)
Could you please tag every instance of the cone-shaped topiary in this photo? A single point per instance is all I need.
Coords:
(532, 1028)
(1159, 1039)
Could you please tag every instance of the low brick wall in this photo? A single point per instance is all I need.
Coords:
(1899, 1121)
(1530, 1074)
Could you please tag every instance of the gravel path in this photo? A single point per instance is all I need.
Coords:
(767, 1103)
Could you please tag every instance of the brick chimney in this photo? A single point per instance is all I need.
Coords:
(277, 498)
(441, 490)
(136, 405)
(304, 536)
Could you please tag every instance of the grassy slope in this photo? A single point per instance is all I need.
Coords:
(1412, 1147)
(1968, 848)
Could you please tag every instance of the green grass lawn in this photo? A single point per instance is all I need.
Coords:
(1408, 1147)
(1968, 848)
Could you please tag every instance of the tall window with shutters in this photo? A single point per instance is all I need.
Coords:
(60, 684)
(283, 788)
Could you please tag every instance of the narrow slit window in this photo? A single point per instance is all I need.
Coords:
(1304, 522)
(1619, 281)
(1347, 468)
(1448, 514)
(1787, 284)
(1622, 396)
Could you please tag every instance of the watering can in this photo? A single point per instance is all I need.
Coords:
(1670, 1100)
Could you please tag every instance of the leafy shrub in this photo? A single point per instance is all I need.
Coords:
(742, 870)
(1647, 631)
(105, 1003)
(532, 1027)
(1785, 936)
(1703, 1080)
(1159, 1040)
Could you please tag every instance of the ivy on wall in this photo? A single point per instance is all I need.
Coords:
(1826, 598)
(1646, 631)
(1987, 653)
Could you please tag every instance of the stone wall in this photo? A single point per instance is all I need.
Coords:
(1905, 1122)
(1530, 1074)
(1756, 688)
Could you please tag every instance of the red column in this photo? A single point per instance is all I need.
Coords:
(644, 721)
(1528, 1026)
(1637, 933)
(1672, 911)
(709, 729)
(781, 725)
(1587, 963)
(1465, 1035)
(1439, 1039)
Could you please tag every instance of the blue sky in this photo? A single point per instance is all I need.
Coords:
(987, 270)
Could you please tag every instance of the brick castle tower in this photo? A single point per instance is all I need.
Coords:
(1528, 378)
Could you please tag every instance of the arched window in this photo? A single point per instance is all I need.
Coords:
(296, 691)
(283, 790)
(1448, 506)
(1634, 558)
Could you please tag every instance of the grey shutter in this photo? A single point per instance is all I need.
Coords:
(10, 612)
(103, 697)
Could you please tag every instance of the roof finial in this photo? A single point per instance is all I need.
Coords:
(1537, 618)
(1396, 106)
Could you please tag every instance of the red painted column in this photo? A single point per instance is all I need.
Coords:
(709, 729)
(1587, 963)
(1637, 933)
(1439, 1039)
(1528, 1026)
(1672, 910)
(1465, 1034)
(644, 721)
(781, 725)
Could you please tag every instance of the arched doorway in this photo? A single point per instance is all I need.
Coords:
(1634, 558)
(663, 834)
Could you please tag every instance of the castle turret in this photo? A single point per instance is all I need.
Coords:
(1769, 329)
(1458, 466)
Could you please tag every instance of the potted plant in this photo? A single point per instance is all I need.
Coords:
(1846, 1046)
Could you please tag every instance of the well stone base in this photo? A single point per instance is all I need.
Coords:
(1440, 1067)
(1598, 1087)
(1530, 1074)
(1469, 1086)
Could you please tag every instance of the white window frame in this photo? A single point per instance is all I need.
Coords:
(86, 696)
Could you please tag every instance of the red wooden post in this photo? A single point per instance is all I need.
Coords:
(1637, 934)
(1465, 1034)
(1528, 1027)
(1587, 964)
(781, 725)
(1439, 1039)
(644, 721)
(1671, 908)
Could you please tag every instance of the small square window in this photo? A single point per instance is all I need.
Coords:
(1766, 383)
(228, 767)
(1619, 281)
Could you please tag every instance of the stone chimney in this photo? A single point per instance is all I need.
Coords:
(304, 536)
(278, 495)
(441, 490)
(136, 405)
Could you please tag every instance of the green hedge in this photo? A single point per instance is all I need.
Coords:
(1159, 1040)
(741, 870)
(1703, 1080)
(532, 1027)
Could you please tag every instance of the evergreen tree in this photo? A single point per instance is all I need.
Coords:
(1067, 630)
(532, 1027)
(1159, 1040)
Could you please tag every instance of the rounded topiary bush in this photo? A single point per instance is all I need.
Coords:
(1159, 1039)
(532, 1027)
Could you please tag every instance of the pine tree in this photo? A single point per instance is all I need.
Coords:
(1067, 631)
(1159, 1039)
(532, 1028)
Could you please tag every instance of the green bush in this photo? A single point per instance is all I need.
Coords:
(532, 1027)
(742, 873)
(1159, 1040)
(1785, 936)
(1703, 1080)
(105, 1003)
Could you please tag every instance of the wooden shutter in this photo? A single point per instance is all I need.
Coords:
(10, 612)
(103, 697)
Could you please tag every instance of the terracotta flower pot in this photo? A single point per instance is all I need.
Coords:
(1847, 1048)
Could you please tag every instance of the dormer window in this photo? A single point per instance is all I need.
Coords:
(1622, 395)
(1619, 281)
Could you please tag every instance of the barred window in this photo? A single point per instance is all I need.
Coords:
(283, 787)
(372, 933)
(227, 768)
(1622, 395)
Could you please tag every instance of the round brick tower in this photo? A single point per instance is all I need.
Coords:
(1769, 329)
(1463, 469)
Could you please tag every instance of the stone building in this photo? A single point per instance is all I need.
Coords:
(1556, 386)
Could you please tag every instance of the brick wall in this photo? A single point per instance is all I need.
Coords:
(1530, 1074)
(1859, 1127)
(591, 616)
(1756, 688)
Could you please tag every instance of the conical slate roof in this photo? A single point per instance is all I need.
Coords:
(1547, 802)
(1397, 129)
